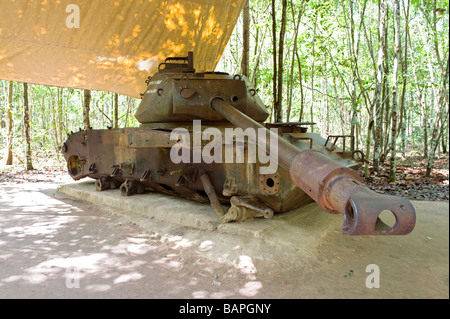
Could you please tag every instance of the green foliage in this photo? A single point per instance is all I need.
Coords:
(331, 58)
(55, 112)
(338, 72)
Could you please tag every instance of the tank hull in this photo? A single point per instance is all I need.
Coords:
(143, 156)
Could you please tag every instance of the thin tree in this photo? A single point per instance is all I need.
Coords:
(60, 116)
(259, 44)
(420, 98)
(379, 82)
(313, 69)
(402, 124)
(351, 39)
(86, 109)
(245, 39)
(299, 62)
(54, 118)
(9, 128)
(394, 90)
(116, 110)
(279, 102)
(26, 125)
(274, 54)
(385, 97)
(441, 119)
(294, 53)
(354, 53)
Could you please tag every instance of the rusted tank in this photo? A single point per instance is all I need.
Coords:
(203, 137)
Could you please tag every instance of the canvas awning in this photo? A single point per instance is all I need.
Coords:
(109, 45)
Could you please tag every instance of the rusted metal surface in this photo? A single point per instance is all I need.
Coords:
(241, 209)
(340, 190)
(337, 189)
(213, 199)
(138, 160)
(364, 207)
(290, 127)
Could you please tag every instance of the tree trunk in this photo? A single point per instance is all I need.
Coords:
(44, 114)
(128, 111)
(368, 139)
(420, 98)
(258, 49)
(386, 113)
(431, 72)
(86, 109)
(302, 96)
(245, 39)
(353, 121)
(274, 55)
(294, 53)
(425, 127)
(61, 115)
(402, 124)
(26, 125)
(327, 129)
(403, 130)
(444, 142)
(55, 126)
(116, 110)
(312, 73)
(379, 82)
(394, 90)
(356, 74)
(279, 102)
(441, 119)
(9, 128)
(290, 88)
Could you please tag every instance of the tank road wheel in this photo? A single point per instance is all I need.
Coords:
(131, 187)
(104, 183)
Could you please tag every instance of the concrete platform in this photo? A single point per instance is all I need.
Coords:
(310, 222)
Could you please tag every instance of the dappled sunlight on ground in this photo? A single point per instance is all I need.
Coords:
(52, 246)
(60, 248)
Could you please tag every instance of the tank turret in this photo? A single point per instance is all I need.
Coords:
(176, 93)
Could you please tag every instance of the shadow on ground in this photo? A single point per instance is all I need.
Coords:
(53, 246)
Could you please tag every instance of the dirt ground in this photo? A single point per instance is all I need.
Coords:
(52, 246)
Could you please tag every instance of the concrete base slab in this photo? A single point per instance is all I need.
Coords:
(309, 222)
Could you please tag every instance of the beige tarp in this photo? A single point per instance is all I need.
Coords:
(109, 45)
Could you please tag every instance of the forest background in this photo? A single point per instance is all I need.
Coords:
(377, 70)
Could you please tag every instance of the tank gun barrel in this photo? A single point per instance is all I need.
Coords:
(337, 189)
